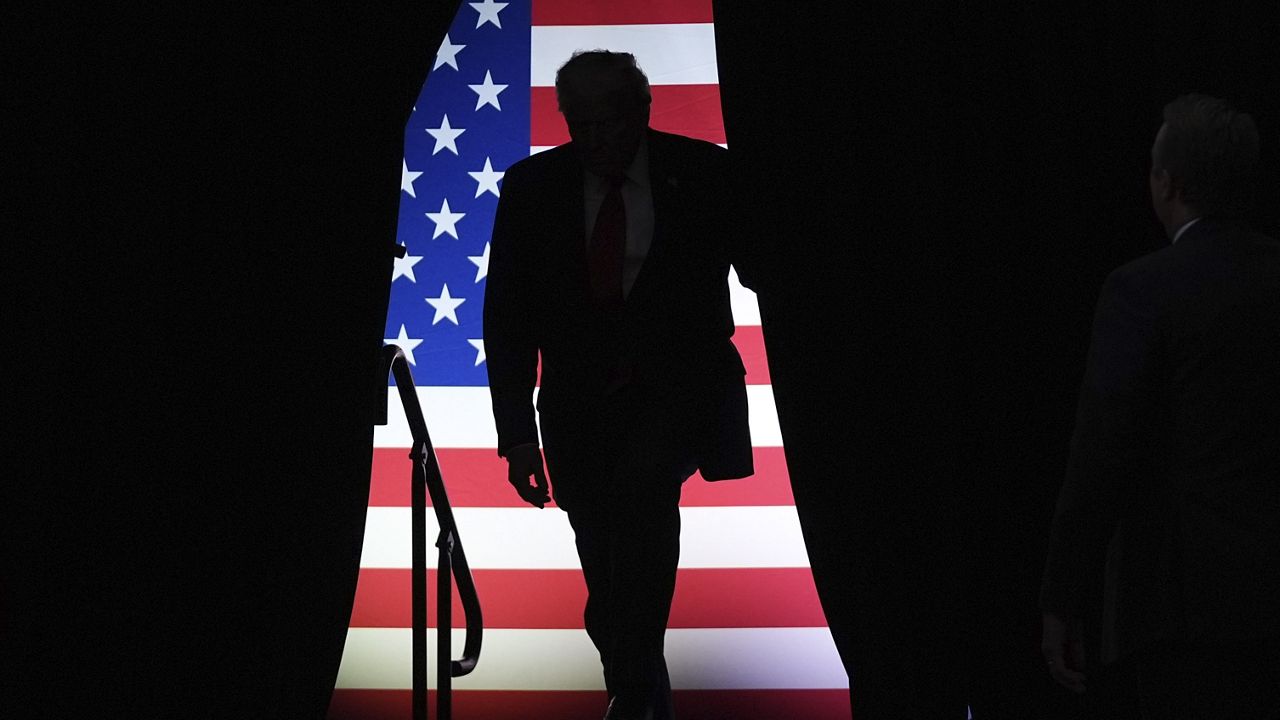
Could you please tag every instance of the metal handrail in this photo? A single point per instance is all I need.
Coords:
(452, 563)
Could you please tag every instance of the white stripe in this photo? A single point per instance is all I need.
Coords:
(462, 417)
(697, 658)
(675, 54)
(742, 301)
(457, 417)
(531, 539)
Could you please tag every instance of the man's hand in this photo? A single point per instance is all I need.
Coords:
(1063, 649)
(523, 462)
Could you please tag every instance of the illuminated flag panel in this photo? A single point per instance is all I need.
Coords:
(747, 637)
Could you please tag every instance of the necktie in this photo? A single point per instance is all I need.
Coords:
(608, 244)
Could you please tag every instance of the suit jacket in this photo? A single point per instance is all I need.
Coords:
(674, 332)
(1175, 460)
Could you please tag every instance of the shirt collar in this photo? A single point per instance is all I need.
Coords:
(1185, 226)
(637, 172)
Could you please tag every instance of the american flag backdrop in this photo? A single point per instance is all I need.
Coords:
(747, 637)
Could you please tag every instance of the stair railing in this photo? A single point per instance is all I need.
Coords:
(452, 565)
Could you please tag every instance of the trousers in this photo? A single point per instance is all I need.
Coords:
(617, 468)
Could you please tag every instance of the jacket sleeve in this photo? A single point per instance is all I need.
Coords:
(1112, 448)
(510, 339)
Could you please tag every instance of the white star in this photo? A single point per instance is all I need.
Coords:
(407, 177)
(482, 263)
(404, 267)
(478, 344)
(486, 179)
(406, 343)
(488, 12)
(446, 221)
(446, 137)
(446, 306)
(447, 54)
(487, 92)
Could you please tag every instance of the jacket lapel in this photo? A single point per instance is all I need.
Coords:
(571, 236)
(662, 187)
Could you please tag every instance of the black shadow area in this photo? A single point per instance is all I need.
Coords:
(207, 204)
(935, 195)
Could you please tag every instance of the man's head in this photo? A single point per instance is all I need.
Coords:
(604, 97)
(1202, 161)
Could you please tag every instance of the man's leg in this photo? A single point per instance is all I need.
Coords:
(646, 552)
(581, 451)
(629, 553)
(619, 475)
(657, 455)
(593, 531)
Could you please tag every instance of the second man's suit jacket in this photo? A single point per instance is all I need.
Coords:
(675, 330)
(1174, 470)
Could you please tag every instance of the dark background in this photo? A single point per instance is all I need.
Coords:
(209, 203)
(943, 190)
(199, 246)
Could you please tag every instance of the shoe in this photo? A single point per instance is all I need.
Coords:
(620, 709)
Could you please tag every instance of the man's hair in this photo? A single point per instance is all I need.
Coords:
(1211, 152)
(634, 83)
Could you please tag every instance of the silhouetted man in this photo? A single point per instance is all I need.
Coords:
(1176, 454)
(609, 259)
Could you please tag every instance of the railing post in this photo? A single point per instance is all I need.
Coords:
(418, 501)
(444, 626)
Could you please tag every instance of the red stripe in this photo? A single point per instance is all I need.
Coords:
(650, 12)
(692, 110)
(590, 705)
(477, 478)
(553, 599)
(749, 339)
